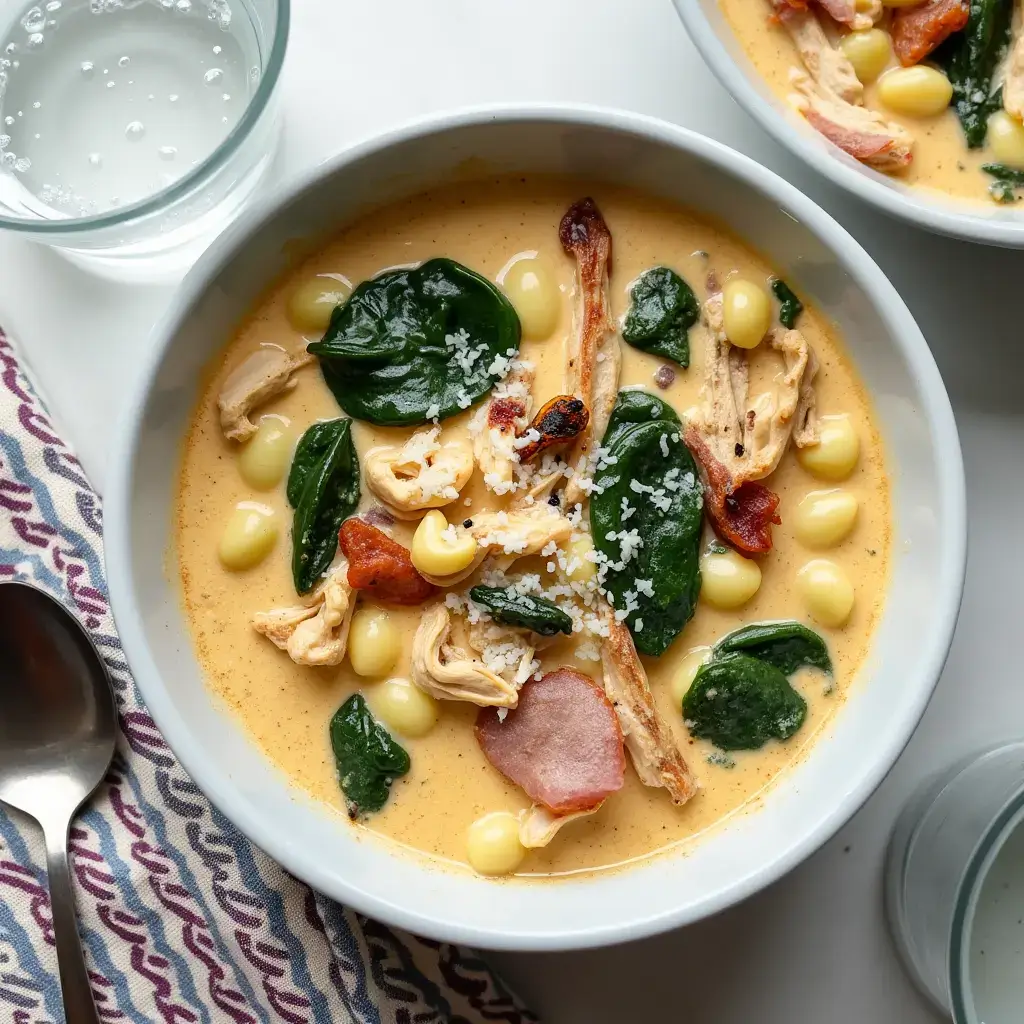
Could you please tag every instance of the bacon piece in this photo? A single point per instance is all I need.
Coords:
(558, 421)
(380, 565)
(562, 743)
(881, 151)
(595, 355)
(916, 31)
(743, 516)
(843, 11)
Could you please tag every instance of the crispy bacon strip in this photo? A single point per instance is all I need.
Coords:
(558, 421)
(595, 355)
(562, 743)
(860, 145)
(380, 565)
(742, 516)
(916, 31)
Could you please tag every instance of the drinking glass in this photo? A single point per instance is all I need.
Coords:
(954, 887)
(133, 131)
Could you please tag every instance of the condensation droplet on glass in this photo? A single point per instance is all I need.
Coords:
(36, 105)
(254, 74)
(183, 6)
(33, 20)
(35, 41)
(226, 96)
(217, 50)
(5, 141)
(8, 120)
(11, 48)
(8, 160)
(88, 69)
(123, 62)
(110, 85)
(173, 97)
(53, 6)
(22, 164)
(213, 76)
(134, 131)
(220, 12)
(95, 160)
(168, 152)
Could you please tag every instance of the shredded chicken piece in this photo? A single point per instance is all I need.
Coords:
(507, 412)
(826, 64)
(507, 650)
(507, 536)
(423, 473)
(656, 758)
(315, 633)
(538, 825)
(749, 438)
(448, 673)
(595, 352)
(830, 96)
(1013, 68)
(257, 379)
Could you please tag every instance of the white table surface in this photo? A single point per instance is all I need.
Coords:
(813, 948)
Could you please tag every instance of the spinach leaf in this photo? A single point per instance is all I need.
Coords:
(645, 518)
(323, 488)
(511, 608)
(739, 703)
(786, 645)
(791, 306)
(413, 345)
(971, 58)
(368, 759)
(1007, 179)
(662, 310)
(633, 406)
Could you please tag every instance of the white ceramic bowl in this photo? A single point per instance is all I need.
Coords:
(807, 805)
(982, 221)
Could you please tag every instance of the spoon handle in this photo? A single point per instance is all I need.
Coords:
(74, 981)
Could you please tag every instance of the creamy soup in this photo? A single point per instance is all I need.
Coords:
(916, 90)
(827, 566)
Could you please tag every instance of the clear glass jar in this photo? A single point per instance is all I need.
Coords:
(941, 855)
(129, 77)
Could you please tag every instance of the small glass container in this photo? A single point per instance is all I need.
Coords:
(954, 887)
(133, 131)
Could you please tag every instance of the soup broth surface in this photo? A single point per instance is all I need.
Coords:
(286, 707)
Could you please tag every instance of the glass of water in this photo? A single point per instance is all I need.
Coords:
(133, 131)
(954, 887)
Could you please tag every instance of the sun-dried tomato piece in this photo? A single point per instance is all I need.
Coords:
(380, 565)
(916, 31)
(560, 420)
(743, 516)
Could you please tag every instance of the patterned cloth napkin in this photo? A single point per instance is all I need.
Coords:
(183, 919)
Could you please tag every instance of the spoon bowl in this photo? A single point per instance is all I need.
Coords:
(58, 733)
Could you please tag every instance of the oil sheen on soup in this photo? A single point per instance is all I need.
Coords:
(523, 655)
(928, 91)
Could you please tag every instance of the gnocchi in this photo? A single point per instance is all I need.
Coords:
(248, 537)
(581, 564)
(728, 580)
(835, 455)
(532, 287)
(918, 91)
(267, 455)
(406, 708)
(684, 675)
(746, 312)
(824, 519)
(1006, 139)
(827, 592)
(437, 550)
(311, 304)
(869, 51)
(493, 846)
(373, 642)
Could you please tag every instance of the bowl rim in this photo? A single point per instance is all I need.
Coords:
(911, 206)
(219, 786)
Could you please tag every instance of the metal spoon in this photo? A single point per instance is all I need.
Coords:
(58, 728)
